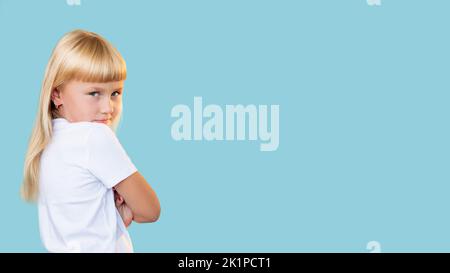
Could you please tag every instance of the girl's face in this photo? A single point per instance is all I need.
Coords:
(87, 101)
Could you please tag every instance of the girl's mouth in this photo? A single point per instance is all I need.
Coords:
(105, 121)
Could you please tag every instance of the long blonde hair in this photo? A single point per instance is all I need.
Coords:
(79, 55)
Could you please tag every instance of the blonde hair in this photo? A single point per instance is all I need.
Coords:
(79, 55)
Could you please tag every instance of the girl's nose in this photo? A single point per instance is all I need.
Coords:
(107, 106)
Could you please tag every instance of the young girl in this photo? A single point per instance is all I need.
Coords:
(87, 189)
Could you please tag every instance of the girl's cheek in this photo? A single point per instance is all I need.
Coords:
(118, 106)
(94, 106)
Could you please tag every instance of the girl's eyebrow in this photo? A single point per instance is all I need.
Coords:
(96, 88)
(102, 89)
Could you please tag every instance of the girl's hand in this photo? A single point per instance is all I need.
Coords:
(124, 211)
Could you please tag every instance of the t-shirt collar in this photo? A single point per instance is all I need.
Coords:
(59, 122)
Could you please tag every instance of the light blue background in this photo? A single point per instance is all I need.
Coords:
(364, 106)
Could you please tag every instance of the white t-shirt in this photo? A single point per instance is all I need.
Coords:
(79, 167)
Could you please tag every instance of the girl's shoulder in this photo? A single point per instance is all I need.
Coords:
(83, 133)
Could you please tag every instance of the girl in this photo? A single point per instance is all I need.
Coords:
(87, 189)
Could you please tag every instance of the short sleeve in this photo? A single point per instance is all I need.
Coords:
(106, 158)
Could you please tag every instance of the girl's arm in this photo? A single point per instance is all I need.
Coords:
(140, 198)
(124, 211)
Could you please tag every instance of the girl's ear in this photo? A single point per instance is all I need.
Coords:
(56, 96)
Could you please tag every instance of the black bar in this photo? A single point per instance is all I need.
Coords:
(224, 262)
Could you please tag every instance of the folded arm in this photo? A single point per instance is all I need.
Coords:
(135, 193)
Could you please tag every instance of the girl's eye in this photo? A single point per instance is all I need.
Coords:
(117, 93)
(94, 94)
